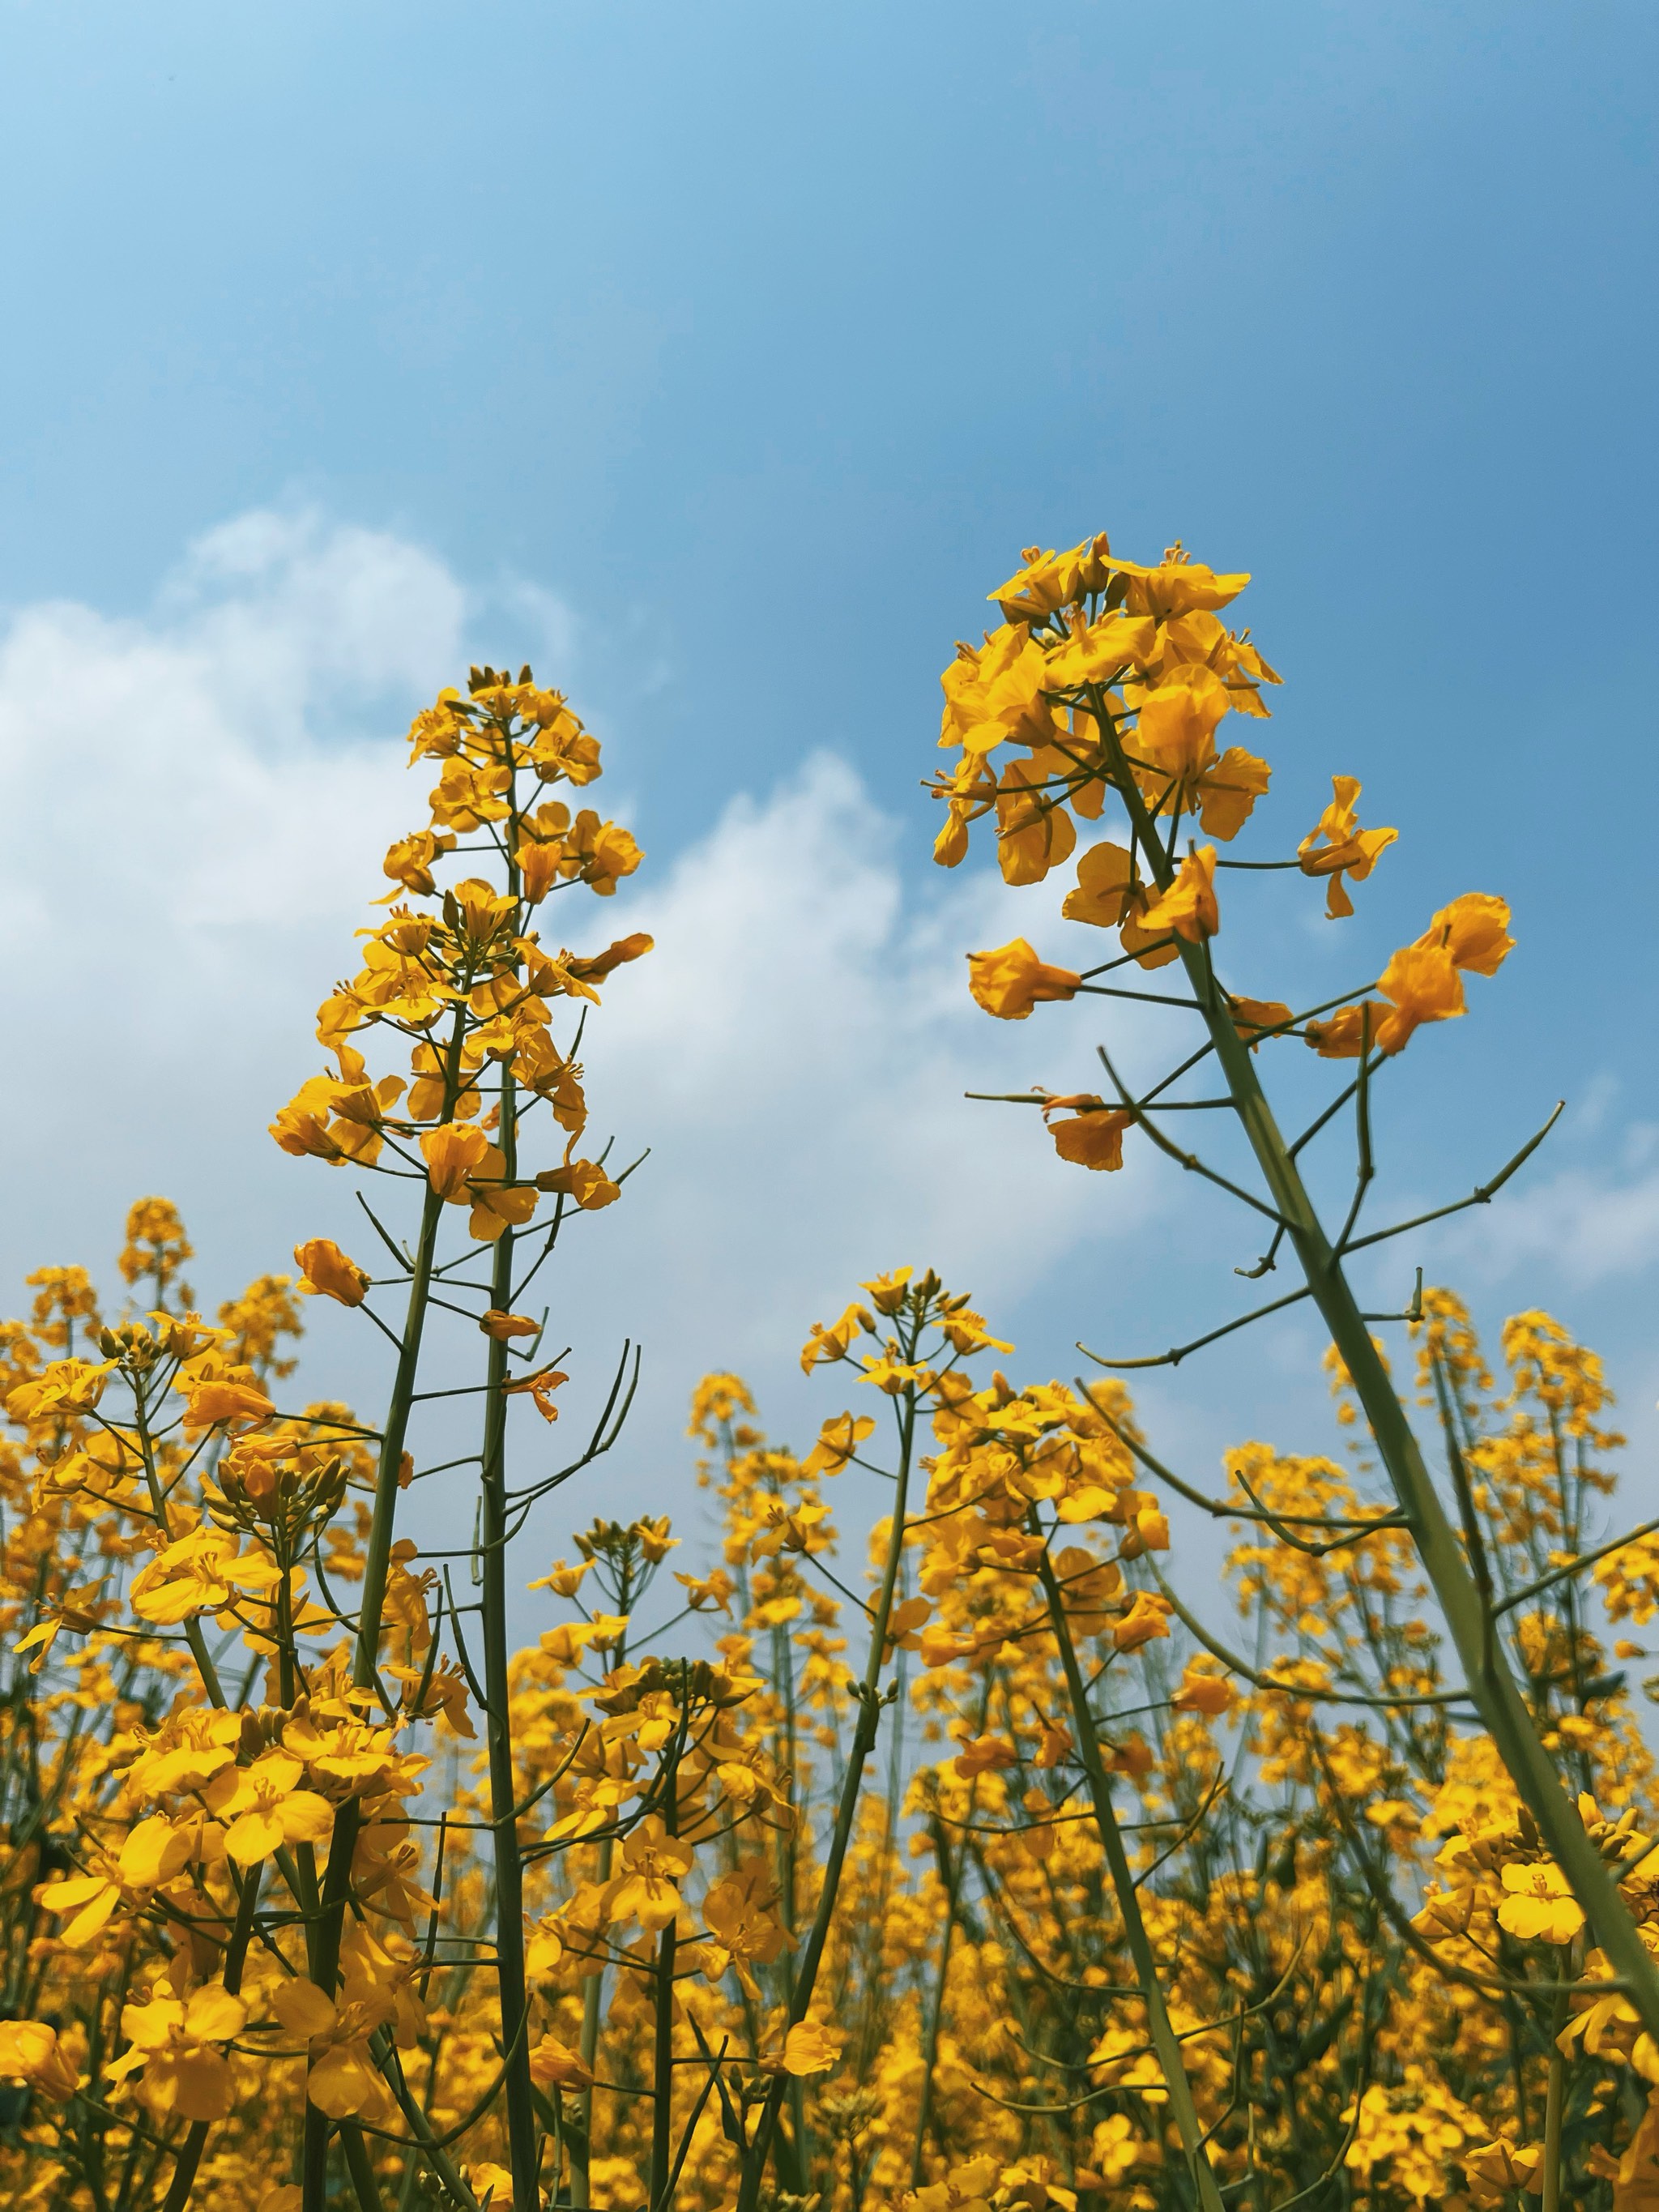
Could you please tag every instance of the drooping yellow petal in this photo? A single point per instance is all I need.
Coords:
(1010, 980)
(1104, 874)
(1227, 792)
(1188, 907)
(554, 2065)
(1423, 983)
(326, 1273)
(1093, 1138)
(198, 2085)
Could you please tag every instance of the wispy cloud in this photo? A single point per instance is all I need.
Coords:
(1593, 1222)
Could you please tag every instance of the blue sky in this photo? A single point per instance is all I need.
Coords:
(727, 355)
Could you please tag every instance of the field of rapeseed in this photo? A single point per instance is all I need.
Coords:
(982, 1860)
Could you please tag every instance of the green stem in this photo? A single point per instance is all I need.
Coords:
(662, 2109)
(1555, 2099)
(1182, 2109)
(952, 1874)
(662, 2071)
(581, 2137)
(324, 1954)
(437, 2159)
(1486, 1670)
(360, 2167)
(523, 2150)
(864, 1743)
(377, 1556)
(503, 1794)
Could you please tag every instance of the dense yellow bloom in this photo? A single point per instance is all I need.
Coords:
(741, 1913)
(907, 1854)
(1100, 652)
(265, 1808)
(342, 2078)
(1174, 750)
(65, 1387)
(200, 1573)
(231, 1790)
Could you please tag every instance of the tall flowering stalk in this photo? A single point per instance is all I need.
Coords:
(930, 1334)
(1108, 681)
(459, 984)
(287, 1802)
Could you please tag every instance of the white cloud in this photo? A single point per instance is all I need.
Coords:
(299, 618)
(1591, 1225)
(166, 779)
(192, 812)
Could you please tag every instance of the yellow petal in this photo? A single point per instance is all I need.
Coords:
(303, 2009)
(305, 1818)
(213, 2015)
(812, 2047)
(154, 1852)
(204, 2088)
(254, 1837)
(344, 2082)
